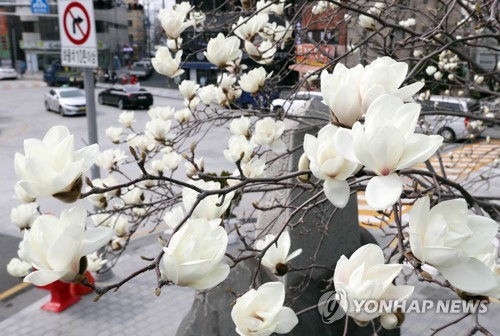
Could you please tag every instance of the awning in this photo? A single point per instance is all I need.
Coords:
(300, 67)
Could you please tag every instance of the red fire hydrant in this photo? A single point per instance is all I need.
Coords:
(63, 294)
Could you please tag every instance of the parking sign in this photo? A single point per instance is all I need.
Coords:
(77, 32)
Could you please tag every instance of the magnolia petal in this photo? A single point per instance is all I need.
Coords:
(441, 256)
(55, 135)
(344, 144)
(337, 192)
(398, 292)
(369, 254)
(384, 273)
(418, 216)
(211, 279)
(63, 254)
(294, 254)
(484, 231)
(383, 191)
(406, 92)
(418, 148)
(95, 238)
(471, 276)
(287, 320)
(42, 278)
(278, 146)
(362, 148)
(386, 146)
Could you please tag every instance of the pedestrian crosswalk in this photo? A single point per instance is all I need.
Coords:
(460, 164)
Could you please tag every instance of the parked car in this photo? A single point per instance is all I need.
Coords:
(141, 70)
(125, 96)
(66, 101)
(451, 128)
(302, 100)
(259, 101)
(7, 72)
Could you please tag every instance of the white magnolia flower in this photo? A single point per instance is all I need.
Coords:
(278, 253)
(478, 79)
(239, 148)
(386, 144)
(174, 45)
(327, 164)
(191, 170)
(24, 215)
(54, 246)
(120, 225)
(385, 76)
(277, 34)
(367, 22)
(18, 268)
(408, 22)
(430, 70)
(183, 8)
(248, 28)
(268, 7)
(207, 94)
(110, 158)
(262, 54)
(166, 65)
(253, 80)
(98, 200)
(261, 313)
(95, 262)
(198, 18)
(173, 22)
(126, 119)
(114, 133)
(340, 90)
(268, 133)
(321, 7)
(240, 126)
(195, 253)
(211, 207)
(365, 276)
(21, 195)
(447, 238)
(174, 217)
(183, 115)
(438, 75)
(418, 53)
(158, 129)
(140, 141)
(222, 50)
(172, 160)
(133, 195)
(188, 89)
(451, 77)
(253, 169)
(163, 113)
(52, 167)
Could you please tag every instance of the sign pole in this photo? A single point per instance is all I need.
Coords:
(88, 82)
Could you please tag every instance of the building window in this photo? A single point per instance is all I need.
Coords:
(101, 27)
(49, 28)
(130, 37)
(130, 23)
(28, 27)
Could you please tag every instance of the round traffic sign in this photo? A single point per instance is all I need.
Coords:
(76, 28)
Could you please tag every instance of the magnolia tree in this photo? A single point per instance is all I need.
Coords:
(366, 142)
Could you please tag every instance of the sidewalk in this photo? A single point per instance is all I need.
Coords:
(133, 310)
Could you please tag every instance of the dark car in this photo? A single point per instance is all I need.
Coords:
(125, 96)
(259, 101)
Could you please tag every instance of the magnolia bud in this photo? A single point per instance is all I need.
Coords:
(361, 323)
(389, 321)
(303, 165)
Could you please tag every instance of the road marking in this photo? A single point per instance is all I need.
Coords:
(13, 290)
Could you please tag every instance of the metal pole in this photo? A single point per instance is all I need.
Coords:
(91, 114)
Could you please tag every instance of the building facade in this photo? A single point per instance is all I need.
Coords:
(136, 20)
(40, 38)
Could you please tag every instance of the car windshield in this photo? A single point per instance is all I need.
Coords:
(71, 94)
(134, 88)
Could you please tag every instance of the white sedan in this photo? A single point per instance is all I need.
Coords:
(7, 73)
(66, 101)
(299, 102)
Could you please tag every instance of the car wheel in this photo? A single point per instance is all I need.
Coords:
(120, 104)
(448, 134)
(100, 100)
(47, 106)
(61, 111)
